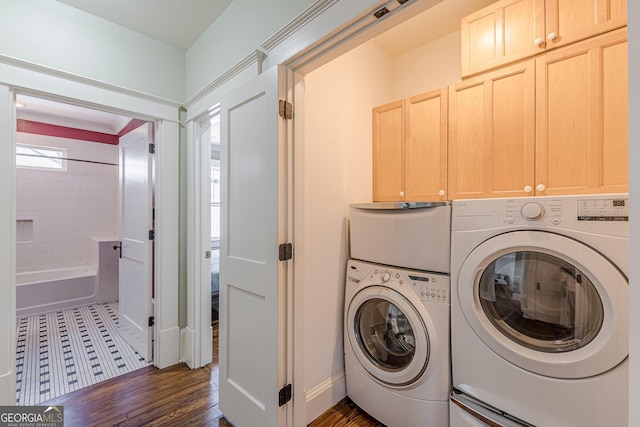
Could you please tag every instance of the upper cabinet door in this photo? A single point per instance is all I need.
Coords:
(568, 21)
(426, 149)
(501, 33)
(492, 134)
(582, 114)
(510, 30)
(388, 152)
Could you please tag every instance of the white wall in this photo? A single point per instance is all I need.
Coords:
(428, 67)
(239, 31)
(52, 34)
(337, 171)
(67, 208)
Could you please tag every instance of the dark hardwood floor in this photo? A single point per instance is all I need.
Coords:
(175, 396)
(345, 414)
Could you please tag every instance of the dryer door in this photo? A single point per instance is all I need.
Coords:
(546, 303)
(387, 335)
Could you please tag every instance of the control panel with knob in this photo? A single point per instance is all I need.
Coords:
(532, 211)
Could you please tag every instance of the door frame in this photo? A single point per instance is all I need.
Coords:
(197, 333)
(310, 40)
(22, 77)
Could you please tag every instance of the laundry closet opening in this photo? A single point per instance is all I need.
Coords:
(74, 171)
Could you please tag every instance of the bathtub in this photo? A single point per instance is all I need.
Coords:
(48, 290)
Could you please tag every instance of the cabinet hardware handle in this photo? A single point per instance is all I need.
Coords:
(527, 189)
(540, 187)
(552, 35)
(402, 194)
(441, 192)
(538, 41)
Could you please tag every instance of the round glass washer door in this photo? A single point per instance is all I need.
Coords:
(546, 303)
(388, 336)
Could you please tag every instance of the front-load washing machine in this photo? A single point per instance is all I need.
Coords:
(539, 307)
(396, 344)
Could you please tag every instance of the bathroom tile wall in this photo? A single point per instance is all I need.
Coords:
(67, 208)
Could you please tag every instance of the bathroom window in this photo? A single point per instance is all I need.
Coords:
(33, 156)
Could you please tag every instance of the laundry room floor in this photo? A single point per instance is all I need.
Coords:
(345, 414)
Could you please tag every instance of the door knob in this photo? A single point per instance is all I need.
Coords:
(538, 41)
(402, 194)
(441, 193)
(552, 35)
(527, 189)
(540, 187)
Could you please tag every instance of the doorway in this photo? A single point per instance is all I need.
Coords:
(67, 233)
(215, 217)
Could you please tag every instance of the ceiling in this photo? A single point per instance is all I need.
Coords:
(432, 24)
(180, 23)
(57, 113)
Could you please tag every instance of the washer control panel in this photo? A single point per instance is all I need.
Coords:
(429, 287)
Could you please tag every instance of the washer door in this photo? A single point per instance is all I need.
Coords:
(546, 303)
(387, 335)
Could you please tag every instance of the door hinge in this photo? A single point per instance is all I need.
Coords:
(152, 321)
(285, 251)
(152, 234)
(286, 109)
(284, 395)
(152, 148)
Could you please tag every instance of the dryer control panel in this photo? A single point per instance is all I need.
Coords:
(606, 214)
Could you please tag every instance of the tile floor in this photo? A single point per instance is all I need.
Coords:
(63, 351)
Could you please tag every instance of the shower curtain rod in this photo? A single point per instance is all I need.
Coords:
(66, 158)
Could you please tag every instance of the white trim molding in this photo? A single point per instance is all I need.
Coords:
(256, 57)
(325, 395)
(8, 339)
(70, 77)
(299, 22)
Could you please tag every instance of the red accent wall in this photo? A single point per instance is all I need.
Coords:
(38, 128)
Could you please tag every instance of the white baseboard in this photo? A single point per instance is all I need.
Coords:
(325, 395)
(187, 335)
(168, 348)
(7, 389)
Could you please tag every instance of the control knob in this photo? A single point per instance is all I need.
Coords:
(385, 276)
(532, 211)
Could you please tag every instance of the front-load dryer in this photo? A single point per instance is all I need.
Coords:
(396, 343)
(539, 307)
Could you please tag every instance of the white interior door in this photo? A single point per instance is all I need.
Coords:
(136, 252)
(253, 334)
